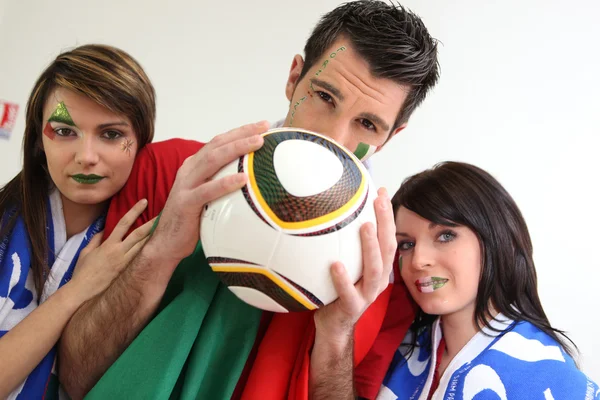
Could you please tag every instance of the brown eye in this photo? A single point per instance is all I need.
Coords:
(368, 124)
(112, 135)
(64, 132)
(325, 97)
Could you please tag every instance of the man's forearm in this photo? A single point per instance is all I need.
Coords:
(331, 368)
(102, 328)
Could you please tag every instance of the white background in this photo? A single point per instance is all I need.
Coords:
(518, 97)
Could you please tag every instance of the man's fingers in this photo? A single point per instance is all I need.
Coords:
(242, 132)
(225, 154)
(348, 295)
(139, 234)
(215, 189)
(130, 255)
(208, 161)
(372, 263)
(127, 220)
(93, 243)
(386, 231)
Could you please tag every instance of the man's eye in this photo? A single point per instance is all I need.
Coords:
(325, 97)
(368, 124)
(112, 135)
(64, 132)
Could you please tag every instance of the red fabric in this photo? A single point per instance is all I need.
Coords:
(152, 178)
(281, 368)
(436, 375)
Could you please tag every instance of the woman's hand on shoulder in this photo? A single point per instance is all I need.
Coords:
(100, 263)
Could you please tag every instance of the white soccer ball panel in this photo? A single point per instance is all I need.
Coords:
(305, 168)
(231, 229)
(257, 299)
(212, 211)
(307, 261)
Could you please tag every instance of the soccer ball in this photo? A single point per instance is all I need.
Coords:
(273, 241)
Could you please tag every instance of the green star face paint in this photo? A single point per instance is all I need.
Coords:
(126, 146)
(364, 151)
(60, 115)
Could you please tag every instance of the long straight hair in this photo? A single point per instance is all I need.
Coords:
(453, 193)
(108, 76)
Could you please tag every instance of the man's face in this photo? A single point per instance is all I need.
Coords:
(339, 98)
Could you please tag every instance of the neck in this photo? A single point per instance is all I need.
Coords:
(80, 216)
(458, 328)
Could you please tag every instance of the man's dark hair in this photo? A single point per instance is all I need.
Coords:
(393, 40)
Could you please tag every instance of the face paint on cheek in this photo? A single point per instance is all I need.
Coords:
(364, 151)
(296, 105)
(49, 132)
(321, 69)
(126, 146)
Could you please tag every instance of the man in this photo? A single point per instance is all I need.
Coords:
(367, 66)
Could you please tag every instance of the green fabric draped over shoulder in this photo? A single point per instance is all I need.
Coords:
(195, 347)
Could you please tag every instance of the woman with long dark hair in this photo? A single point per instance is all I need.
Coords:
(480, 329)
(88, 114)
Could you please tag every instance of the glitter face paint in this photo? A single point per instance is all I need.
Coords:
(430, 284)
(126, 146)
(364, 151)
(60, 115)
(321, 69)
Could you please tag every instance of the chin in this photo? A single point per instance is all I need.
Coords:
(435, 307)
(87, 198)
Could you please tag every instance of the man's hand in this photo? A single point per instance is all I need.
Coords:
(178, 230)
(332, 360)
(378, 248)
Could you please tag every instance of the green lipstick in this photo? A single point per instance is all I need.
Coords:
(87, 179)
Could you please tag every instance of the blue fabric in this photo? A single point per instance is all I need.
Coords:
(522, 362)
(18, 297)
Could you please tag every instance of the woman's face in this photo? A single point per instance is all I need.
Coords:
(441, 265)
(90, 150)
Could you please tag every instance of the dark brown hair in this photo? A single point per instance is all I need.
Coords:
(454, 193)
(108, 76)
(394, 41)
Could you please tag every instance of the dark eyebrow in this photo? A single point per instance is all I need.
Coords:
(327, 86)
(376, 120)
(432, 225)
(109, 124)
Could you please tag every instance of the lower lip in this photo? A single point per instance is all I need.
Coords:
(86, 181)
(430, 285)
